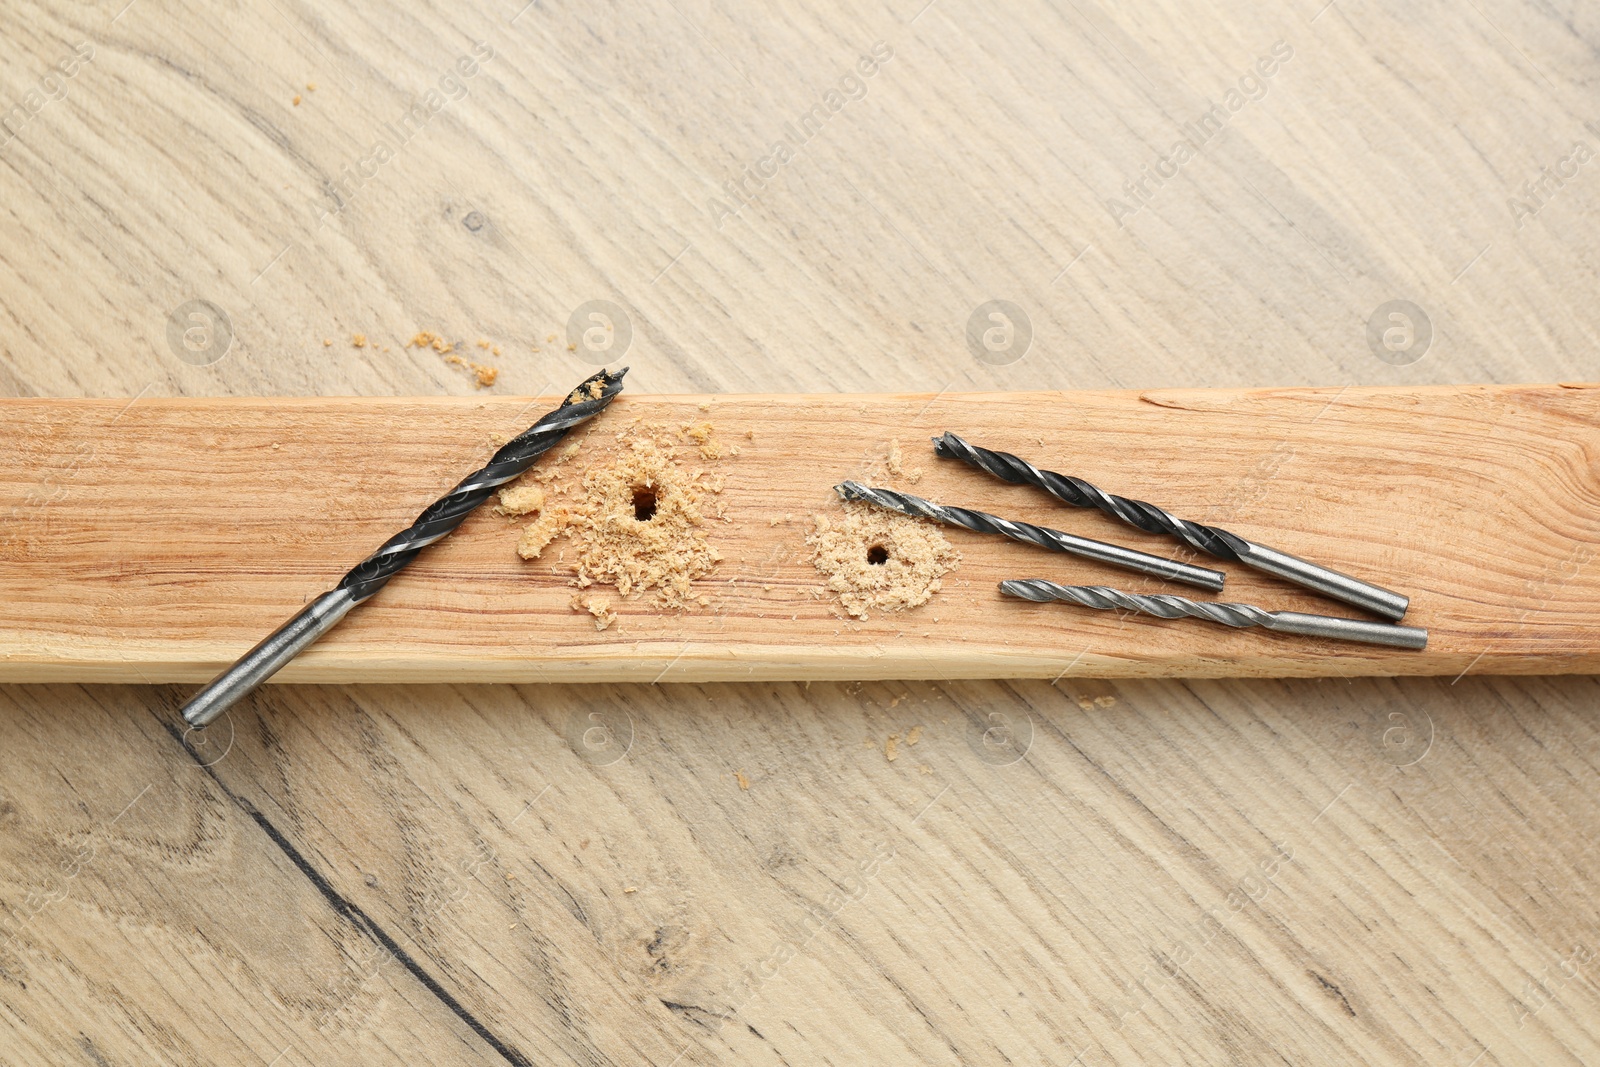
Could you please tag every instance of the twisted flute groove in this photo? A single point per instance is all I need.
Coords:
(1209, 539)
(1082, 494)
(1167, 606)
(449, 511)
(1161, 605)
(1043, 537)
(275, 650)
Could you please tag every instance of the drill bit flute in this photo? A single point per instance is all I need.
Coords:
(983, 522)
(1167, 606)
(1209, 539)
(590, 398)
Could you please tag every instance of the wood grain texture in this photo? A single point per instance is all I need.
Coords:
(1074, 873)
(174, 533)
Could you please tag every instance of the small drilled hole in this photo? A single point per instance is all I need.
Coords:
(877, 555)
(644, 503)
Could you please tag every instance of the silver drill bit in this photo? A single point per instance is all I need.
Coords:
(1209, 539)
(1166, 606)
(1027, 533)
(372, 573)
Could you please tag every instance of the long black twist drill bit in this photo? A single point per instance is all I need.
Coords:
(590, 398)
(1209, 539)
(1027, 533)
(1166, 606)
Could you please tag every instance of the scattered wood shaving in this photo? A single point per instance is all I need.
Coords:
(591, 391)
(599, 606)
(895, 463)
(537, 535)
(913, 735)
(702, 434)
(484, 374)
(637, 524)
(890, 746)
(744, 783)
(427, 339)
(521, 500)
(915, 556)
(359, 340)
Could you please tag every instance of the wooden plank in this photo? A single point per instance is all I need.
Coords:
(1441, 902)
(155, 541)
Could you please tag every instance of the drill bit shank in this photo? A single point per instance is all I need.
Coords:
(1208, 539)
(590, 398)
(1027, 533)
(1166, 606)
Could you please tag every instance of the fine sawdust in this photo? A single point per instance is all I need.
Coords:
(599, 606)
(895, 463)
(590, 391)
(873, 559)
(634, 522)
(482, 372)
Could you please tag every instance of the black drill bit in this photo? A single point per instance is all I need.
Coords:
(591, 397)
(1027, 533)
(1166, 606)
(1209, 539)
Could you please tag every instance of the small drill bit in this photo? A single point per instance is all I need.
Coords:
(590, 398)
(1166, 606)
(1027, 533)
(1209, 539)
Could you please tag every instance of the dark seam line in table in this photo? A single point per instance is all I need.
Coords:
(352, 911)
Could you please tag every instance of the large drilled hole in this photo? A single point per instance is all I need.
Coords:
(644, 503)
(877, 555)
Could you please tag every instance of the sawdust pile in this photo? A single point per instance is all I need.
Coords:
(634, 522)
(874, 559)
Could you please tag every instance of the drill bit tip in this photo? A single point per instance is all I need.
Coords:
(1145, 516)
(1027, 533)
(592, 396)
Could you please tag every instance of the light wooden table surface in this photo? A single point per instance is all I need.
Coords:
(1346, 870)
